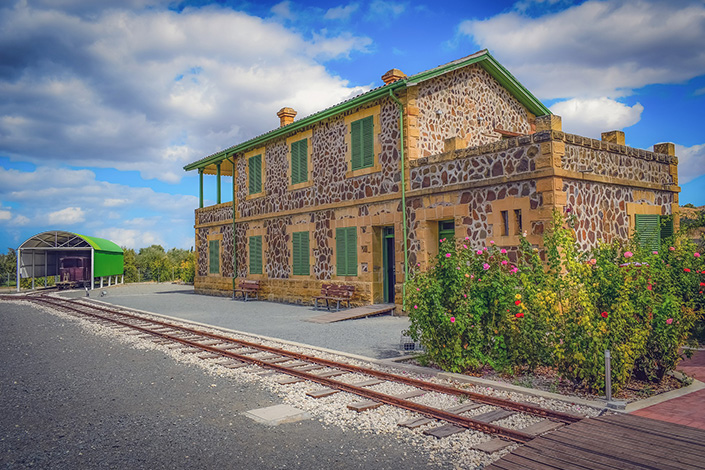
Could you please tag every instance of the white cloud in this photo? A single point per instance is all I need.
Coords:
(68, 216)
(283, 10)
(151, 89)
(5, 215)
(591, 117)
(382, 9)
(79, 200)
(598, 48)
(343, 12)
(114, 202)
(131, 238)
(691, 162)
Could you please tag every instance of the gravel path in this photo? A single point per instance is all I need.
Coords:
(72, 399)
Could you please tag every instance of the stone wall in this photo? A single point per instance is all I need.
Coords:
(469, 104)
(329, 169)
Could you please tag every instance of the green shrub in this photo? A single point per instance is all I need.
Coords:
(475, 308)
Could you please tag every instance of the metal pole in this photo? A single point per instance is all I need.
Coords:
(608, 375)
(200, 188)
(218, 186)
(19, 255)
(92, 269)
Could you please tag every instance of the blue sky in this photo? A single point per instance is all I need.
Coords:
(103, 103)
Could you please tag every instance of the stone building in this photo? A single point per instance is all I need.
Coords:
(358, 192)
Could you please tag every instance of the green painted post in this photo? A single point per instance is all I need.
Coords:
(218, 172)
(200, 188)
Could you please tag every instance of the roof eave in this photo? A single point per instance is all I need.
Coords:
(296, 125)
(483, 58)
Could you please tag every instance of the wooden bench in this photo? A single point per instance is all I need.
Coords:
(246, 288)
(338, 293)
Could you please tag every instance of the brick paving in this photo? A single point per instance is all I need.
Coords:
(688, 410)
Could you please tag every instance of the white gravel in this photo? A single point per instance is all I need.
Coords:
(332, 410)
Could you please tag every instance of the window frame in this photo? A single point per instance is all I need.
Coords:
(262, 172)
(376, 129)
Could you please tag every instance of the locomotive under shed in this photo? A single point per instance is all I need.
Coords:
(47, 254)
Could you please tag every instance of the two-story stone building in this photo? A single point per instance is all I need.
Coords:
(359, 192)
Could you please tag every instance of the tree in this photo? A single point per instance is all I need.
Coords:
(8, 266)
(188, 268)
(130, 265)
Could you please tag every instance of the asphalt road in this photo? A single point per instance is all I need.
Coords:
(72, 400)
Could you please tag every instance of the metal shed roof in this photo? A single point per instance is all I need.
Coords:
(62, 240)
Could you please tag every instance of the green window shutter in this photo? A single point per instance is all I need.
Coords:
(256, 254)
(666, 227)
(356, 144)
(340, 266)
(214, 256)
(362, 140)
(346, 251)
(299, 161)
(255, 174)
(648, 230)
(368, 142)
(351, 252)
(300, 253)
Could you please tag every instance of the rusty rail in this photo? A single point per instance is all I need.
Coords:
(514, 435)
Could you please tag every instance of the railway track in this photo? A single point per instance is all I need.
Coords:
(299, 367)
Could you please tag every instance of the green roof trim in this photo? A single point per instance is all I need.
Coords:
(101, 244)
(483, 58)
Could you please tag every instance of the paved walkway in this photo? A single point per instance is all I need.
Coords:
(688, 410)
(376, 337)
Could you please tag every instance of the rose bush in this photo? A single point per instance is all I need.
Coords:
(479, 307)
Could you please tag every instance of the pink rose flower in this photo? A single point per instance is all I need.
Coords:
(669, 321)
(670, 248)
(447, 255)
(697, 255)
(452, 319)
(485, 266)
(479, 252)
(503, 251)
(628, 254)
(505, 262)
(654, 252)
(491, 242)
(416, 306)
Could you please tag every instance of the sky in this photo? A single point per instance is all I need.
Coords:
(103, 103)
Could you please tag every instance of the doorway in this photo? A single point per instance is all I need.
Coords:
(388, 271)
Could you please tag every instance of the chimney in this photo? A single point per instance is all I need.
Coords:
(286, 116)
(392, 76)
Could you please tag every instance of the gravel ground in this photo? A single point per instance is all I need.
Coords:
(360, 436)
(72, 399)
(377, 337)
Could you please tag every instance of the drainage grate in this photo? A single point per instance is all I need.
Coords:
(407, 343)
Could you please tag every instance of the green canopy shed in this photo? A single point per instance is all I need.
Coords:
(41, 255)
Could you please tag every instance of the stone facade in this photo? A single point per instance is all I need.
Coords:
(474, 155)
